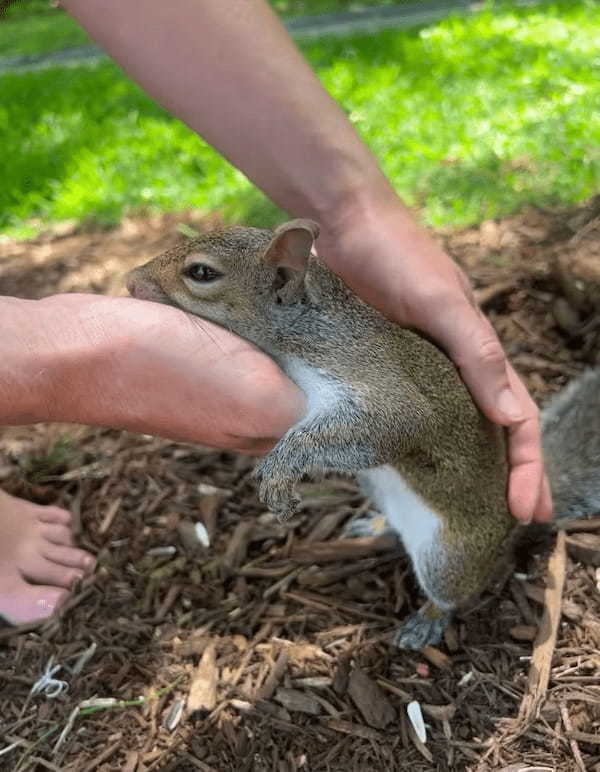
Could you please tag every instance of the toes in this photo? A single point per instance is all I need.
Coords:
(48, 572)
(55, 515)
(71, 557)
(57, 533)
(418, 632)
(30, 602)
(369, 525)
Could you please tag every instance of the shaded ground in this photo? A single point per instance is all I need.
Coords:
(285, 651)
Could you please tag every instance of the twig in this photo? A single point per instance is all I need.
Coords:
(543, 647)
(274, 677)
(572, 741)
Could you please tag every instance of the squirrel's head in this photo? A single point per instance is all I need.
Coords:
(230, 276)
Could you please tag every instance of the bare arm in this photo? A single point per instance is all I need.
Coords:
(139, 366)
(231, 72)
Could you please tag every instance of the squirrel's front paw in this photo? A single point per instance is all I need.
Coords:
(279, 496)
(425, 628)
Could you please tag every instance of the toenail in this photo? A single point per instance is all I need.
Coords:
(62, 514)
(44, 604)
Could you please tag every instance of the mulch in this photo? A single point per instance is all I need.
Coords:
(250, 645)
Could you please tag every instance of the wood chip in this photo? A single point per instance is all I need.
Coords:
(323, 603)
(209, 505)
(541, 661)
(110, 515)
(564, 712)
(237, 548)
(342, 675)
(297, 701)
(589, 524)
(584, 737)
(325, 526)
(584, 548)
(437, 657)
(343, 549)
(274, 677)
(523, 632)
(439, 712)
(420, 746)
(270, 709)
(486, 296)
(203, 688)
(370, 699)
(356, 730)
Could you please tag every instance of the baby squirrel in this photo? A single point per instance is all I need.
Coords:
(383, 403)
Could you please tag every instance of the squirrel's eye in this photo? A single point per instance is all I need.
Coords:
(201, 272)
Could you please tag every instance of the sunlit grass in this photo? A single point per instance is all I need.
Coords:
(42, 33)
(471, 118)
(36, 27)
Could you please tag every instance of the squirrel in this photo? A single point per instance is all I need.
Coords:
(383, 402)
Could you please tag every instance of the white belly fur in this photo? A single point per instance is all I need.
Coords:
(406, 512)
(321, 390)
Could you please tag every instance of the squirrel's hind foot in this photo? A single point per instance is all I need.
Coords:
(425, 628)
(369, 525)
(280, 497)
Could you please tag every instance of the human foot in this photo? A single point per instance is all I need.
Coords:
(38, 564)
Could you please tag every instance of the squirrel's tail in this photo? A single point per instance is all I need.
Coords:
(571, 439)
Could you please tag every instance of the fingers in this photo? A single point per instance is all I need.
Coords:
(529, 496)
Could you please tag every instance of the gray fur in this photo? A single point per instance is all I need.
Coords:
(571, 438)
(387, 397)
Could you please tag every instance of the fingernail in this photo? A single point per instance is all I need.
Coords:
(509, 405)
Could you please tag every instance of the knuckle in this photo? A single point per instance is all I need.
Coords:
(491, 352)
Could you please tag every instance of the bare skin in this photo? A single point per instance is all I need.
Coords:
(38, 562)
(132, 365)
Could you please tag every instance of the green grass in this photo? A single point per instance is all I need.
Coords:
(305, 7)
(35, 27)
(43, 33)
(471, 118)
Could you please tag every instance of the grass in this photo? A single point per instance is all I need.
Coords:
(471, 118)
(43, 33)
(36, 27)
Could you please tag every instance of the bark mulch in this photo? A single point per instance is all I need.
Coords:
(249, 645)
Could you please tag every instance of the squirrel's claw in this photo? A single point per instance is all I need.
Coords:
(422, 629)
(279, 496)
(367, 526)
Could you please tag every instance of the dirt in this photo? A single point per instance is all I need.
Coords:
(278, 636)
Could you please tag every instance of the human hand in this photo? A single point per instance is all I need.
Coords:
(150, 368)
(395, 265)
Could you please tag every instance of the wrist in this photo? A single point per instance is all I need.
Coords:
(364, 217)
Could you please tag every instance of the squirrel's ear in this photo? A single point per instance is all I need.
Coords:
(291, 244)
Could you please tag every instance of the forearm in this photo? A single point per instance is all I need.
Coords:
(230, 71)
(55, 356)
(35, 357)
(144, 367)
